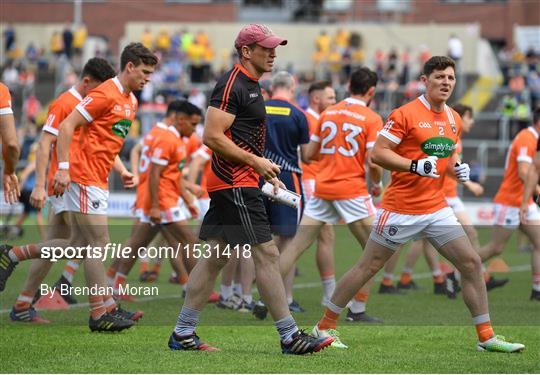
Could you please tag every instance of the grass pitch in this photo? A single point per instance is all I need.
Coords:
(423, 333)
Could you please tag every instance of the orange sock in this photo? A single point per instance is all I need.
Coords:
(439, 279)
(109, 303)
(24, 301)
(26, 252)
(487, 276)
(143, 267)
(111, 272)
(97, 307)
(386, 281)
(156, 267)
(183, 279)
(329, 320)
(405, 278)
(119, 279)
(484, 331)
(361, 297)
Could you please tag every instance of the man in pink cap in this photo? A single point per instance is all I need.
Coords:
(236, 224)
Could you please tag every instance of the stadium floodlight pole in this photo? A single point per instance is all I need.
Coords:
(77, 12)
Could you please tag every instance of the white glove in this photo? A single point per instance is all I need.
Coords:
(425, 167)
(462, 171)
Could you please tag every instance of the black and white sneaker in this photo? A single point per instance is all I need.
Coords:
(190, 342)
(362, 317)
(302, 343)
(389, 289)
(260, 311)
(535, 295)
(495, 283)
(231, 303)
(109, 323)
(6, 265)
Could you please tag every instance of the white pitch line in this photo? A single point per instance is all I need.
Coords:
(419, 276)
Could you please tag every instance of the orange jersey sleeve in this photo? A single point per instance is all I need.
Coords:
(419, 132)
(521, 150)
(346, 131)
(5, 100)
(309, 171)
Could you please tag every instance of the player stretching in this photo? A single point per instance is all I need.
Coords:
(344, 137)
(106, 114)
(234, 130)
(10, 147)
(94, 72)
(418, 140)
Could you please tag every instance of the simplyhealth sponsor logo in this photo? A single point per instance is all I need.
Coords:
(440, 147)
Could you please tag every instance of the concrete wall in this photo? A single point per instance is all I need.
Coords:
(301, 38)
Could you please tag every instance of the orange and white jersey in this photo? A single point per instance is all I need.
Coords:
(309, 171)
(109, 112)
(145, 159)
(451, 184)
(206, 154)
(168, 150)
(193, 143)
(419, 132)
(521, 150)
(5, 100)
(59, 109)
(346, 131)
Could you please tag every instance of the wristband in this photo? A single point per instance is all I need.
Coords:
(63, 165)
(414, 166)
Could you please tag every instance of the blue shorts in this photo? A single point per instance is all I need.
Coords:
(283, 219)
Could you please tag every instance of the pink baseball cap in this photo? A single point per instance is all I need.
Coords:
(260, 34)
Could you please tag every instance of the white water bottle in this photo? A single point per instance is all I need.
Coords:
(284, 196)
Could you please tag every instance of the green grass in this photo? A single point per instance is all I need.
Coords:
(422, 333)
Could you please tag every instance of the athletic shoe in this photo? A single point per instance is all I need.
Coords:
(109, 323)
(191, 342)
(126, 314)
(246, 307)
(294, 307)
(6, 265)
(213, 297)
(535, 295)
(28, 315)
(152, 276)
(302, 343)
(321, 333)
(231, 303)
(439, 288)
(452, 286)
(143, 277)
(499, 344)
(58, 286)
(495, 283)
(260, 311)
(389, 289)
(411, 285)
(362, 317)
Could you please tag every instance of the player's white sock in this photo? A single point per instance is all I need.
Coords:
(248, 298)
(70, 269)
(357, 307)
(328, 285)
(536, 282)
(289, 300)
(226, 291)
(237, 289)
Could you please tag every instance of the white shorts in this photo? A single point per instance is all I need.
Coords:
(392, 229)
(308, 187)
(204, 205)
(57, 204)
(171, 215)
(508, 216)
(89, 200)
(456, 204)
(349, 210)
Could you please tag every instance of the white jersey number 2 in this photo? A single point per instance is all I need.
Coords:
(350, 138)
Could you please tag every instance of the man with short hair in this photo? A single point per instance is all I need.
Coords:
(417, 141)
(95, 72)
(344, 137)
(106, 114)
(235, 131)
(321, 96)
